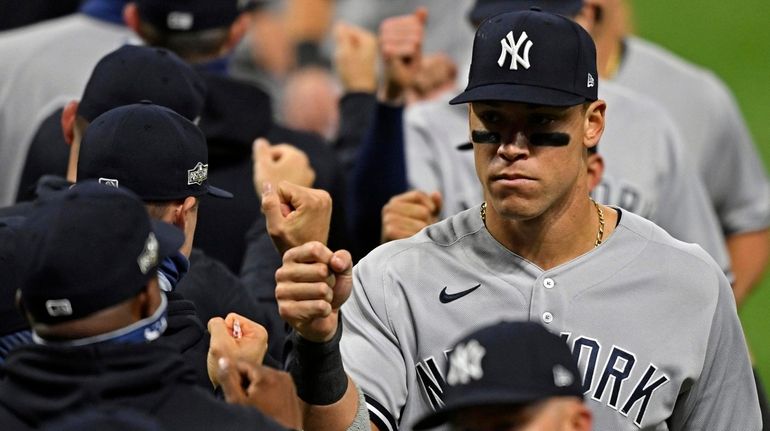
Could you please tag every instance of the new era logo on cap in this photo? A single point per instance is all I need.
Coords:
(112, 182)
(58, 307)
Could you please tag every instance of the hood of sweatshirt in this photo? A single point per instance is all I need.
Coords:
(42, 382)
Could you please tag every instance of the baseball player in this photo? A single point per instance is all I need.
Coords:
(651, 320)
(494, 387)
(646, 170)
(718, 142)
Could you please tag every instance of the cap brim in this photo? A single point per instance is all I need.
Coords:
(518, 93)
(218, 193)
(169, 238)
(488, 398)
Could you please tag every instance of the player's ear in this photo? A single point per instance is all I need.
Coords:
(593, 126)
(590, 15)
(580, 418)
(237, 31)
(68, 116)
(183, 212)
(131, 17)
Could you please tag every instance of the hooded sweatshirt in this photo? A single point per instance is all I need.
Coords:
(42, 383)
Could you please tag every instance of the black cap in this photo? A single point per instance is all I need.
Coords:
(131, 74)
(484, 9)
(88, 248)
(191, 15)
(505, 364)
(151, 150)
(532, 57)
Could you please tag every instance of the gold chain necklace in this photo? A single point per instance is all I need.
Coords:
(599, 234)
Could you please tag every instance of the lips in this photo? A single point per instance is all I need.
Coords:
(511, 177)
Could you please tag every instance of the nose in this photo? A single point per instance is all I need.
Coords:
(515, 146)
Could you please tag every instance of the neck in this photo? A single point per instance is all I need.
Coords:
(557, 236)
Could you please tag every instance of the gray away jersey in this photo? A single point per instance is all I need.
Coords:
(651, 320)
(715, 135)
(646, 170)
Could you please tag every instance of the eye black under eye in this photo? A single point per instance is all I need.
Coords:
(485, 137)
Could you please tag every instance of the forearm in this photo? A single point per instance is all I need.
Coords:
(749, 254)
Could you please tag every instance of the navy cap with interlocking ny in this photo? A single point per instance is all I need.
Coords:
(131, 74)
(532, 57)
(192, 15)
(88, 248)
(483, 9)
(149, 149)
(508, 363)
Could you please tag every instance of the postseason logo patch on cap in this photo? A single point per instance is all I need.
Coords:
(198, 175)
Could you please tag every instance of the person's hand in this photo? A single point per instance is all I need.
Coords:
(280, 162)
(312, 285)
(295, 215)
(248, 346)
(268, 390)
(437, 74)
(401, 40)
(355, 58)
(406, 214)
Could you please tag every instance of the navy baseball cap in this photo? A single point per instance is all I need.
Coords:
(131, 74)
(484, 9)
(191, 15)
(505, 364)
(88, 248)
(149, 149)
(532, 57)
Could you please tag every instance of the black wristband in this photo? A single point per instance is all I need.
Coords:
(317, 369)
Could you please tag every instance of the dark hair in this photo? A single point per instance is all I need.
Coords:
(188, 45)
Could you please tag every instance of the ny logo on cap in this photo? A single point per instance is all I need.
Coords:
(591, 81)
(149, 257)
(198, 174)
(511, 47)
(465, 363)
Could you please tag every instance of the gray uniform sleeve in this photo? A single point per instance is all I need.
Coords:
(684, 209)
(370, 350)
(724, 397)
(735, 175)
(422, 170)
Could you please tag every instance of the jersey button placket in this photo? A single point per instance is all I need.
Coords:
(547, 316)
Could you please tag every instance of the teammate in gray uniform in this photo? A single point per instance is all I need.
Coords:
(646, 169)
(651, 320)
(717, 141)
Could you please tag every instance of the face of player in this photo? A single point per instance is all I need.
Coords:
(555, 414)
(531, 158)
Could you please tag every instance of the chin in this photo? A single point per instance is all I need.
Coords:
(516, 208)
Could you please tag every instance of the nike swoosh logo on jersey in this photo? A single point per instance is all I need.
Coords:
(446, 298)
